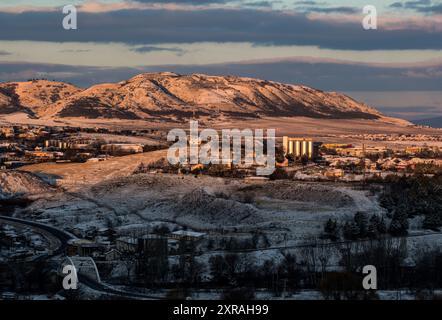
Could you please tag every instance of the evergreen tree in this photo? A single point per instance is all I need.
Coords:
(354, 230)
(361, 220)
(399, 224)
(331, 230)
(376, 227)
(382, 227)
(372, 231)
(351, 231)
(432, 221)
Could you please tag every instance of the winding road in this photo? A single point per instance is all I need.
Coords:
(63, 238)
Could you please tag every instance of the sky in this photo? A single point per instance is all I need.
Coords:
(320, 43)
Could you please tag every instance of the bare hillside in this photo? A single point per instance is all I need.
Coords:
(19, 184)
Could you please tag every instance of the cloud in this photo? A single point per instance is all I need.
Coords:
(306, 3)
(411, 113)
(79, 75)
(411, 109)
(155, 26)
(431, 24)
(75, 51)
(342, 9)
(144, 49)
(27, 8)
(264, 4)
(325, 8)
(105, 7)
(410, 4)
(436, 9)
(422, 6)
(194, 2)
(396, 5)
(408, 105)
(99, 6)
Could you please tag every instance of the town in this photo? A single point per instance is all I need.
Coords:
(298, 157)
(26, 144)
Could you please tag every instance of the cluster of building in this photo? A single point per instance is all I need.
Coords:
(392, 137)
(338, 160)
(104, 245)
(18, 243)
(327, 160)
(26, 144)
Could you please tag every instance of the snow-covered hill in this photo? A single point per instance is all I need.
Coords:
(169, 96)
(33, 97)
(19, 184)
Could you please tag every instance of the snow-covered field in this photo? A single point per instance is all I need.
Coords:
(297, 209)
(288, 212)
(291, 214)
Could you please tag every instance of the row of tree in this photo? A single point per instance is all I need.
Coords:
(408, 197)
(364, 226)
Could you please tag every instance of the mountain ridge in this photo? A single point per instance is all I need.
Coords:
(172, 97)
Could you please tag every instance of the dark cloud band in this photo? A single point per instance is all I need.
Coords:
(149, 27)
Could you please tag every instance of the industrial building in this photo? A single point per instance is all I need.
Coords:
(300, 147)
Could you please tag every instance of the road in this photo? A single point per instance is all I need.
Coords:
(61, 235)
(102, 287)
(64, 237)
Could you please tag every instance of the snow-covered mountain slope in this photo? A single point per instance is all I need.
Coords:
(19, 184)
(33, 97)
(170, 96)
